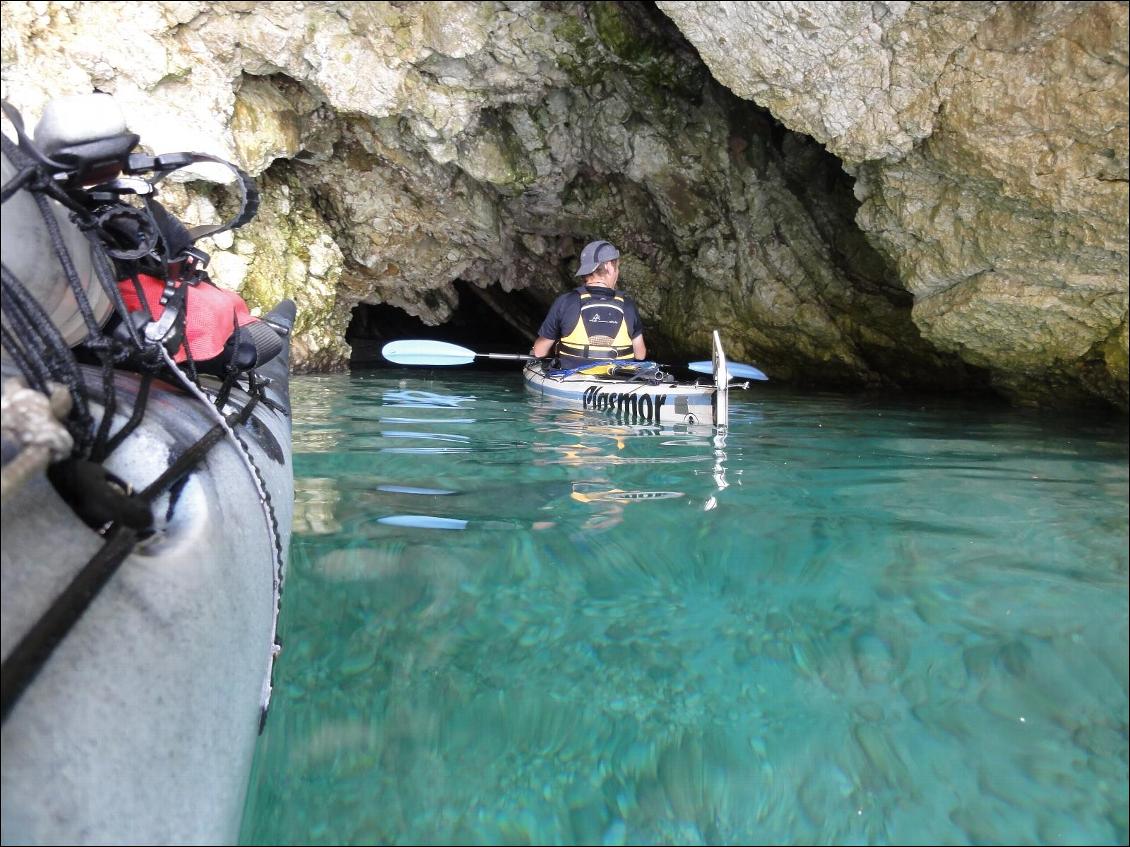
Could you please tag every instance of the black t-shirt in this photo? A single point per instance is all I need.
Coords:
(566, 310)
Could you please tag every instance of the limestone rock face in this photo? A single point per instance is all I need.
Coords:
(290, 252)
(404, 147)
(864, 79)
(990, 145)
(1009, 224)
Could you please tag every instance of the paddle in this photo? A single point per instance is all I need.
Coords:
(425, 352)
(736, 369)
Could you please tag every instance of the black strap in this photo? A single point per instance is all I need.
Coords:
(39, 642)
(139, 407)
(25, 660)
(168, 163)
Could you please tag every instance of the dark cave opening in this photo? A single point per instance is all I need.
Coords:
(486, 320)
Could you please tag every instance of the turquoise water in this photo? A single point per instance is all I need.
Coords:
(853, 621)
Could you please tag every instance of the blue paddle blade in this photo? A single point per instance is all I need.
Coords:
(423, 352)
(737, 369)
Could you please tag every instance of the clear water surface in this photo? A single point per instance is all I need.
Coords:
(856, 621)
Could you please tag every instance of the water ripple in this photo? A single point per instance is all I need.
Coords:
(850, 620)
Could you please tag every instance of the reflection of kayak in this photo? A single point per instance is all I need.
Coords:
(636, 391)
(588, 492)
(144, 544)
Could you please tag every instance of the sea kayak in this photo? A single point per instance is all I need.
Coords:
(636, 392)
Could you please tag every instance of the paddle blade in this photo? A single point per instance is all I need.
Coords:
(423, 352)
(737, 369)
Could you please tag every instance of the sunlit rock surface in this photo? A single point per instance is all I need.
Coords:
(403, 147)
(990, 145)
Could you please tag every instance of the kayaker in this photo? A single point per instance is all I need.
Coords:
(595, 321)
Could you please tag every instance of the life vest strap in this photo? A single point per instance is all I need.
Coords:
(590, 351)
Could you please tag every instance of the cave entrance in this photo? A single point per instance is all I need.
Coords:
(487, 321)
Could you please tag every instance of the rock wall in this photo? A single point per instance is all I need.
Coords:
(401, 147)
(989, 141)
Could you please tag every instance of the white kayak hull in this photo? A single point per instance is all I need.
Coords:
(650, 397)
(626, 401)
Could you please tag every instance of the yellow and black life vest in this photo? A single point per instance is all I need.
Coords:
(601, 331)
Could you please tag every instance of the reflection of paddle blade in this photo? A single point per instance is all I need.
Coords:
(423, 399)
(423, 522)
(409, 489)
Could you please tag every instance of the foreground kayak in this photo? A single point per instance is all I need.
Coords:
(636, 392)
(147, 496)
(141, 726)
